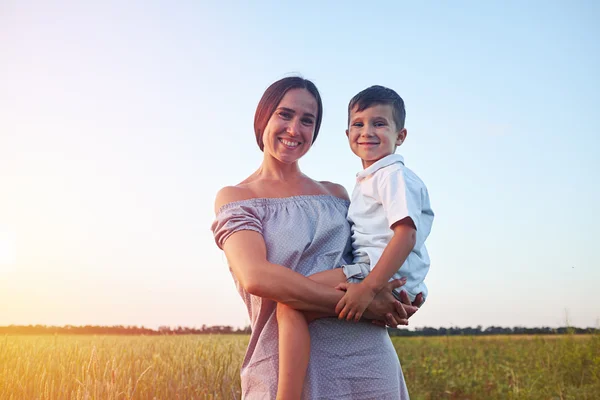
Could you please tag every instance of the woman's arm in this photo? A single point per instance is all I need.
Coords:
(247, 257)
(246, 254)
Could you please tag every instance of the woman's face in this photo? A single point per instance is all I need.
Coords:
(289, 132)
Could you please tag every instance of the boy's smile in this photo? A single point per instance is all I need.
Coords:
(373, 133)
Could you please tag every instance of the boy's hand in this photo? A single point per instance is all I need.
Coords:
(355, 301)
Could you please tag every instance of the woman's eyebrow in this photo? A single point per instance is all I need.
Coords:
(294, 112)
(286, 109)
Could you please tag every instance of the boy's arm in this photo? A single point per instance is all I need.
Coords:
(401, 198)
(394, 255)
(358, 296)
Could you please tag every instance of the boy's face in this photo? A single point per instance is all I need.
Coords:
(373, 134)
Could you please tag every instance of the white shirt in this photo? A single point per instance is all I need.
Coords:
(385, 193)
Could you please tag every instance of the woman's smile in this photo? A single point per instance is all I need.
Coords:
(290, 144)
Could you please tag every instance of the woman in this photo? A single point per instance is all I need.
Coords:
(279, 226)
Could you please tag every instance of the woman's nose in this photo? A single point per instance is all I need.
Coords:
(292, 128)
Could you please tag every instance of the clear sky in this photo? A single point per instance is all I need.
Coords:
(119, 122)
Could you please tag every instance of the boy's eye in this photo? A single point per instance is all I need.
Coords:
(379, 124)
(357, 124)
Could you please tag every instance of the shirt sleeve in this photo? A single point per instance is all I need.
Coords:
(234, 218)
(400, 198)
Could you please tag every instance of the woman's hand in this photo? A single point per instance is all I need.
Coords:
(385, 307)
(405, 300)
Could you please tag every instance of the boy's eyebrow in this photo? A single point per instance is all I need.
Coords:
(294, 112)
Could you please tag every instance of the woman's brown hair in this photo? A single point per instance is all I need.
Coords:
(271, 99)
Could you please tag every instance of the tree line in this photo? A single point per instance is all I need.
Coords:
(492, 330)
(227, 330)
(119, 330)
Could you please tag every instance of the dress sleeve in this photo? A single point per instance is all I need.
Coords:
(233, 218)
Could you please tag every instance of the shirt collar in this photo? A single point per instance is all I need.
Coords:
(377, 165)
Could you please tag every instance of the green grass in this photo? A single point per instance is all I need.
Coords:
(502, 367)
(207, 367)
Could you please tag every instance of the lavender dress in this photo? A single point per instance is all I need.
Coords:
(347, 360)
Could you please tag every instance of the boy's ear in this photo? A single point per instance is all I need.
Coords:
(401, 136)
(347, 133)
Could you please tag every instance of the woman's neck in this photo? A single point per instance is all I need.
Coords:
(273, 169)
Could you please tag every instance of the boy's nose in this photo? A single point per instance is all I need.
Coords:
(366, 132)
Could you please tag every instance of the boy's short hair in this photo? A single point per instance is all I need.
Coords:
(376, 95)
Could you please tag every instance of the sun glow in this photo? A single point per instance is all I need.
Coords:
(8, 250)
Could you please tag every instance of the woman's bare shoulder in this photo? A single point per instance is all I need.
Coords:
(335, 189)
(230, 194)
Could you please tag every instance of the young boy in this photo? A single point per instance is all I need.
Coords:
(391, 217)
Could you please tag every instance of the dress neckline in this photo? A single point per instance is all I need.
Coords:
(280, 200)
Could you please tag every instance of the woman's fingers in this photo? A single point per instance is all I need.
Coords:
(404, 298)
(418, 300)
(396, 283)
(410, 310)
(390, 320)
(342, 286)
(407, 306)
(378, 322)
(401, 310)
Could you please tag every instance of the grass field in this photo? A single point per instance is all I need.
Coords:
(207, 367)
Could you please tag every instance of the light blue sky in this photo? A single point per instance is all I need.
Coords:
(119, 121)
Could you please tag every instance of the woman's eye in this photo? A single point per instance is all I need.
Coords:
(307, 121)
(285, 115)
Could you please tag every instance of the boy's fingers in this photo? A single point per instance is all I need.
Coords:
(403, 322)
(350, 315)
(342, 286)
(357, 317)
(340, 305)
(342, 314)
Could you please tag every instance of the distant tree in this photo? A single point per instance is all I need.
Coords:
(226, 329)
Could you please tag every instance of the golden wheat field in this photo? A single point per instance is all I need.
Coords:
(207, 367)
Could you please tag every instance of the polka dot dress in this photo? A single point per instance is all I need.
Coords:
(347, 361)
